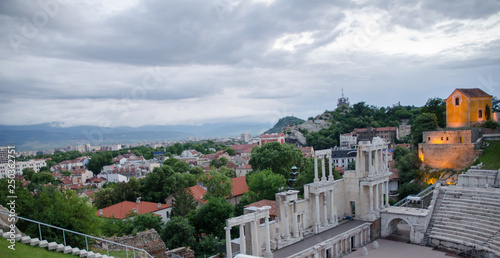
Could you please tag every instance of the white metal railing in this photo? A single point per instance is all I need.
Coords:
(127, 247)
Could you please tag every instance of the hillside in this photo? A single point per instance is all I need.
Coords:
(283, 122)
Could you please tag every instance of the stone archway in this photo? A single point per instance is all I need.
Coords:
(415, 218)
(400, 230)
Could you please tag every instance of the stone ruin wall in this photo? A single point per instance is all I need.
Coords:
(447, 156)
(148, 240)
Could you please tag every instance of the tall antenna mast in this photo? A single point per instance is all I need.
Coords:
(342, 91)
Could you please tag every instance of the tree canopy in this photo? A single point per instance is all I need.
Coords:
(279, 158)
(423, 122)
(217, 183)
(265, 184)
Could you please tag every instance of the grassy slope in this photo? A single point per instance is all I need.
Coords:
(26, 251)
(23, 251)
(491, 155)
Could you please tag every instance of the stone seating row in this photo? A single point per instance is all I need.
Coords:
(459, 241)
(469, 215)
(493, 204)
(488, 199)
(53, 246)
(471, 234)
(471, 225)
(472, 208)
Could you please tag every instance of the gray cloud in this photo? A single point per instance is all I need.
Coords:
(213, 60)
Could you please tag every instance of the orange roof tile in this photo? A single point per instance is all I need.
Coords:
(120, 210)
(198, 192)
(239, 185)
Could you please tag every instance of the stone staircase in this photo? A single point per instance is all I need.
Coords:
(466, 219)
(439, 200)
(53, 246)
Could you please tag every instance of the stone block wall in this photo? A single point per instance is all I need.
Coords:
(447, 156)
(148, 240)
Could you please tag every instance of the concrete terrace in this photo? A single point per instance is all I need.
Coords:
(313, 240)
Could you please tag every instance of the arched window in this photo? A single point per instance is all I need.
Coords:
(457, 101)
(480, 113)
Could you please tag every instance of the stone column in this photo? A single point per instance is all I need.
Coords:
(255, 239)
(370, 168)
(316, 169)
(330, 170)
(295, 222)
(316, 228)
(243, 246)
(268, 238)
(325, 211)
(377, 170)
(287, 222)
(229, 252)
(371, 198)
(323, 172)
(386, 160)
(333, 220)
(377, 198)
(387, 194)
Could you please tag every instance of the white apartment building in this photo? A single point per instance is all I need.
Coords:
(34, 164)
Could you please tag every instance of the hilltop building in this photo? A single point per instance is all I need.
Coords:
(342, 101)
(467, 107)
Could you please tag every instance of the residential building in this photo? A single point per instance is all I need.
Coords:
(404, 129)
(113, 178)
(274, 137)
(386, 133)
(342, 157)
(34, 164)
(4, 155)
(123, 209)
(307, 151)
(467, 107)
(348, 140)
(246, 137)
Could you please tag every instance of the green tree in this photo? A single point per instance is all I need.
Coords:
(217, 183)
(211, 217)
(487, 112)
(408, 166)
(217, 163)
(183, 203)
(40, 179)
(28, 173)
(127, 191)
(229, 172)
(423, 122)
(196, 171)
(99, 160)
(105, 197)
(399, 152)
(277, 157)
(155, 187)
(266, 184)
(142, 222)
(230, 151)
(495, 104)
(351, 165)
(65, 210)
(436, 106)
(409, 189)
(178, 233)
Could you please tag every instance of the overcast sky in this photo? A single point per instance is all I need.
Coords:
(133, 63)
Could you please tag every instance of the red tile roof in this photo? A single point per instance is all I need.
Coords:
(478, 93)
(243, 146)
(198, 192)
(120, 210)
(239, 185)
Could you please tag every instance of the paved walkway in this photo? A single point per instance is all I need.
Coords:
(394, 249)
(316, 239)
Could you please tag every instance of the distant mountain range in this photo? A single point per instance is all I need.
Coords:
(48, 136)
